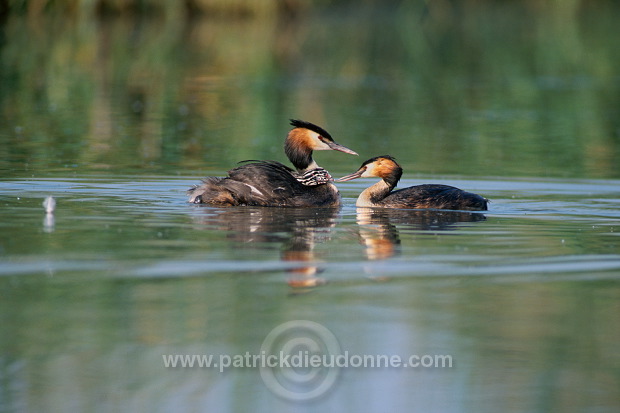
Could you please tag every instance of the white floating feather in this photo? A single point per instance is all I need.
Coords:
(49, 204)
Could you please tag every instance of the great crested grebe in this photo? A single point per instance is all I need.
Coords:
(270, 183)
(427, 196)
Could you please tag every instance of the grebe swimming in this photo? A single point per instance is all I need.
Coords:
(431, 196)
(270, 183)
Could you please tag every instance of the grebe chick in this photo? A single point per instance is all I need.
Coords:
(270, 183)
(427, 196)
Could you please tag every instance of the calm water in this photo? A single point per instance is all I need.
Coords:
(116, 119)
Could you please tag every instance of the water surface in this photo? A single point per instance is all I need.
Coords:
(94, 298)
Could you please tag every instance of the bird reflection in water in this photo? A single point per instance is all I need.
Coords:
(377, 233)
(297, 230)
(381, 238)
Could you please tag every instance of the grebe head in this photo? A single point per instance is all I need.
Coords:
(384, 167)
(306, 137)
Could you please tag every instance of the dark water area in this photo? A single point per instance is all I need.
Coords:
(493, 90)
(116, 117)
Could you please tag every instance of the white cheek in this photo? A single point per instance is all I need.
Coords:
(368, 172)
(317, 144)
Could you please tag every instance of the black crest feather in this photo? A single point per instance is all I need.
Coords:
(371, 160)
(303, 124)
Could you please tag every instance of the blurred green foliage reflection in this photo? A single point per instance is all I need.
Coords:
(517, 88)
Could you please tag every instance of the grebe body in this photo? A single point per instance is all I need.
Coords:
(427, 196)
(271, 183)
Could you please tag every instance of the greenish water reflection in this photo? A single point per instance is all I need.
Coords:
(496, 90)
(525, 346)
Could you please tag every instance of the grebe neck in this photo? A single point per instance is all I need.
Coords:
(373, 195)
(300, 156)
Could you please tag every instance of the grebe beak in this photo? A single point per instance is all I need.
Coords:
(337, 147)
(355, 175)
